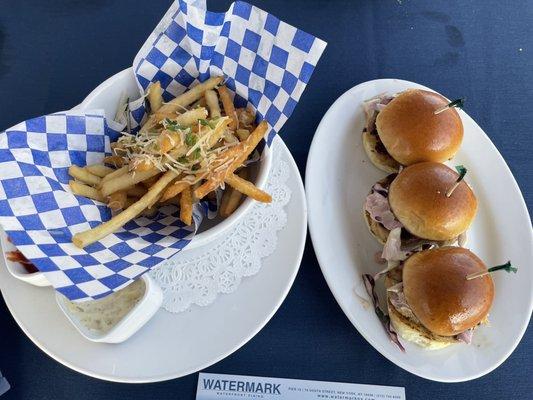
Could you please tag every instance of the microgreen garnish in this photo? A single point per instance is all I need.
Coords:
(507, 267)
(461, 170)
(174, 126)
(190, 139)
(205, 122)
(183, 160)
(457, 103)
(196, 153)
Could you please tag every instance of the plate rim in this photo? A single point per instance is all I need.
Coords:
(321, 261)
(299, 250)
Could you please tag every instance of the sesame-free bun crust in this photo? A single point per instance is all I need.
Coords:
(418, 199)
(440, 296)
(412, 132)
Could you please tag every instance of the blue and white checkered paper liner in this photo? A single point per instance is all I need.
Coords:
(40, 214)
(266, 62)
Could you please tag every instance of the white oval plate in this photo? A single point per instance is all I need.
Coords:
(338, 178)
(171, 345)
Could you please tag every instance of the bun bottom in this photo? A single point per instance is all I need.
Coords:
(416, 333)
(377, 230)
(383, 161)
(413, 331)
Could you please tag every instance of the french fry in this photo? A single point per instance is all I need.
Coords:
(191, 95)
(192, 116)
(215, 135)
(83, 175)
(229, 108)
(86, 191)
(199, 103)
(229, 137)
(140, 164)
(242, 134)
(168, 140)
(148, 183)
(229, 202)
(193, 188)
(99, 170)
(113, 175)
(186, 118)
(237, 154)
(247, 188)
(174, 189)
(83, 239)
(155, 96)
(136, 191)
(181, 102)
(186, 206)
(115, 160)
(130, 201)
(149, 212)
(117, 200)
(231, 198)
(126, 181)
(218, 132)
(211, 100)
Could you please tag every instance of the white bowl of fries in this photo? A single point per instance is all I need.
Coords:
(186, 149)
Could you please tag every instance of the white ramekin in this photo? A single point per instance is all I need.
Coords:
(134, 320)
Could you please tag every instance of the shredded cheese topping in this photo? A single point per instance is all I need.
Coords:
(193, 151)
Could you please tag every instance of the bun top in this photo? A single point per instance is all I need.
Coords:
(412, 132)
(437, 291)
(418, 199)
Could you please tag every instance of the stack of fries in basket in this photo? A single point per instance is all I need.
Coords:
(188, 148)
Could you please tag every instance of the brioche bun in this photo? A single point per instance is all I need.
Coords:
(417, 198)
(412, 132)
(438, 293)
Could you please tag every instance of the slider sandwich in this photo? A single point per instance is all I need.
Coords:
(432, 301)
(412, 127)
(425, 205)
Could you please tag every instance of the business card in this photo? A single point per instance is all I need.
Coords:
(222, 387)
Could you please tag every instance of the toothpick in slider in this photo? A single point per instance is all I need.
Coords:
(458, 103)
(506, 267)
(462, 172)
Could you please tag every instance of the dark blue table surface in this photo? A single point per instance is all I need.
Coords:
(52, 53)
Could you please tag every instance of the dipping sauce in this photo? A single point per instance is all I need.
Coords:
(103, 314)
(18, 257)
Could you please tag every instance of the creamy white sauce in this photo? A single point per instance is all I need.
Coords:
(103, 314)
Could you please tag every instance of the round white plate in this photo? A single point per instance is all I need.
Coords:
(338, 178)
(172, 345)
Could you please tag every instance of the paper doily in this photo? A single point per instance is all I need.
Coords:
(199, 275)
